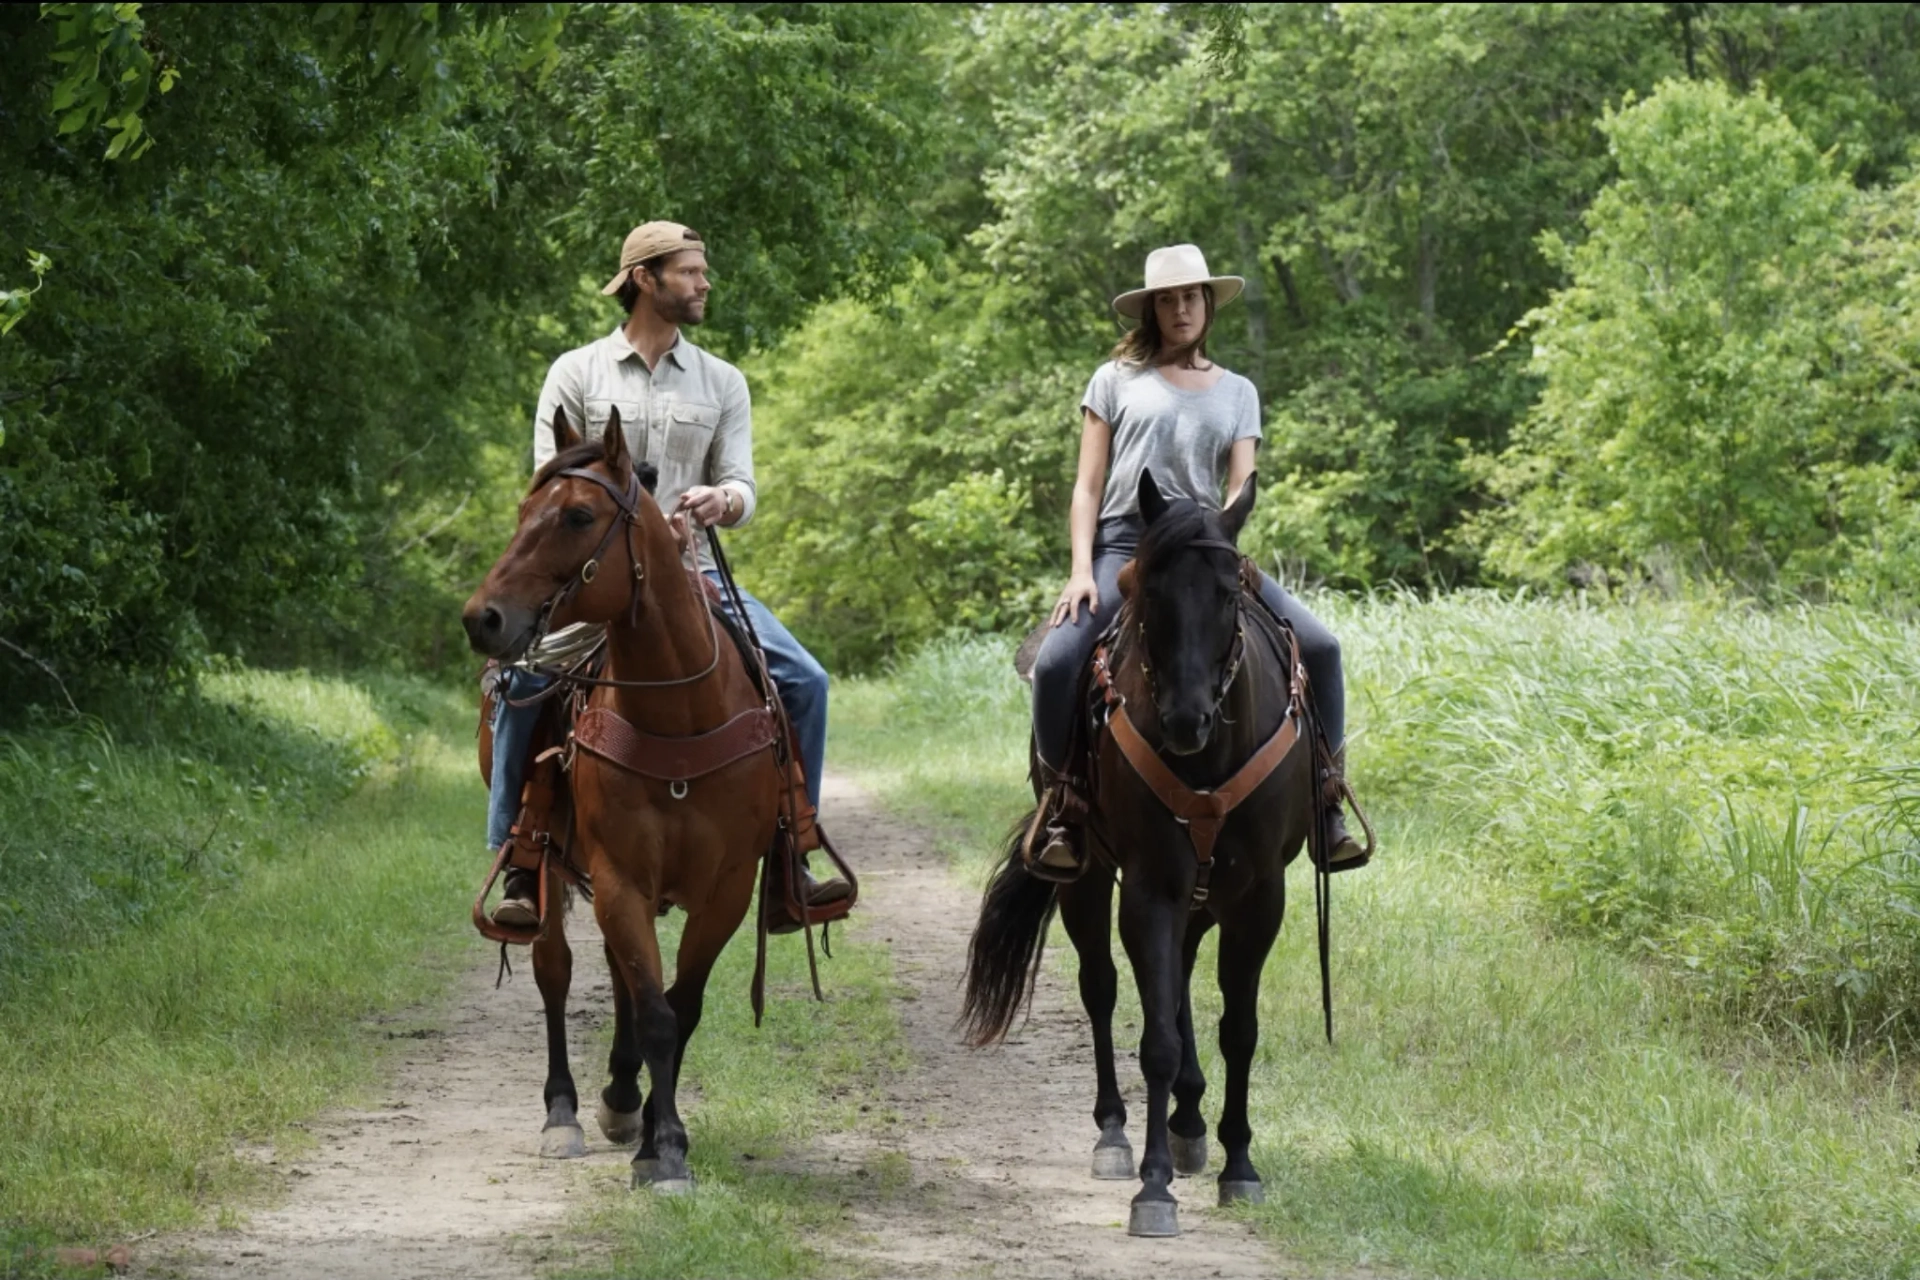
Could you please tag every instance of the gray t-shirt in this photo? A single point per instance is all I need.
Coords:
(1185, 437)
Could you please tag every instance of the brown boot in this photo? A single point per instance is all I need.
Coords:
(519, 900)
(1052, 846)
(1344, 853)
(815, 893)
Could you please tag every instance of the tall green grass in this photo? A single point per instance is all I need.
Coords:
(200, 929)
(1539, 1068)
(1712, 788)
(110, 821)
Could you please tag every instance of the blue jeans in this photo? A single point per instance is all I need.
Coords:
(512, 733)
(799, 677)
(802, 683)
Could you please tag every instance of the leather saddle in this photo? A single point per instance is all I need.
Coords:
(542, 835)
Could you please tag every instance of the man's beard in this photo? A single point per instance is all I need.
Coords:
(681, 311)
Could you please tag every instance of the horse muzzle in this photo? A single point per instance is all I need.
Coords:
(1184, 732)
(498, 629)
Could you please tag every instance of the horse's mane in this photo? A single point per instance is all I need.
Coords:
(584, 454)
(1183, 521)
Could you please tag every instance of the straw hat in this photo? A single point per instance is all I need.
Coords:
(1175, 267)
(647, 241)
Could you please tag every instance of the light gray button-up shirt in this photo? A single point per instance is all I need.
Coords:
(690, 416)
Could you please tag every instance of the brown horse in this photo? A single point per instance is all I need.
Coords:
(593, 546)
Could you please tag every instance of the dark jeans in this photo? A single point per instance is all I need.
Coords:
(799, 677)
(512, 734)
(1068, 647)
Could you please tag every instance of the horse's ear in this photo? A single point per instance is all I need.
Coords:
(564, 436)
(1235, 516)
(614, 442)
(1152, 504)
(1129, 579)
(649, 476)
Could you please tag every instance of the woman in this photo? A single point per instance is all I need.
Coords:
(1159, 403)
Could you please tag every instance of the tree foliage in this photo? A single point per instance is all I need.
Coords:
(1401, 185)
(1724, 380)
(250, 405)
(280, 282)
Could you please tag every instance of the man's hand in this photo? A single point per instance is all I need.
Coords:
(707, 504)
(677, 523)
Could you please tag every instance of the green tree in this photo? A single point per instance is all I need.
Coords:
(1728, 377)
(251, 406)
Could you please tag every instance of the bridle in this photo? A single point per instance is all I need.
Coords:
(628, 502)
(1236, 651)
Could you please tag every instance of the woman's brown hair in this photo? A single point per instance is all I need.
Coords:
(1140, 348)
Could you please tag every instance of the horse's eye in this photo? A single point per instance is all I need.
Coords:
(579, 517)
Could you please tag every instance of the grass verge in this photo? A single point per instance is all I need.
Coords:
(197, 938)
(1512, 1093)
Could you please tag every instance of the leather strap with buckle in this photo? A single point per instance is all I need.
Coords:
(1202, 812)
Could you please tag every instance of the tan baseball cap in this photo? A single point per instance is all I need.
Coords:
(650, 240)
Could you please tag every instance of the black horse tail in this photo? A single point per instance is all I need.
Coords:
(1003, 958)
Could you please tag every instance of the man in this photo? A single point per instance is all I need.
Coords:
(688, 413)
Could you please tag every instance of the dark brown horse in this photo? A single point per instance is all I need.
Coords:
(1205, 676)
(593, 546)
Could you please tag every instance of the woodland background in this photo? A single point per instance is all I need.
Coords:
(1586, 337)
(1574, 297)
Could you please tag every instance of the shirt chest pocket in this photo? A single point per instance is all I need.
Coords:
(690, 429)
(632, 422)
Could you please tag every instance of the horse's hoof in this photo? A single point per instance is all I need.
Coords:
(1189, 1154)
(1242, 1193)
(562, 1142)
(1154, 1219)
(621, 1127)
(1113, 1161)
(668, 1177)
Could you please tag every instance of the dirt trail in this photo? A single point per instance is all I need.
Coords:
(998, 1141)
(442, 1176)
(988, 1153)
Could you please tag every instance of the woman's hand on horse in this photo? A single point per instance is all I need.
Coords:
(1080, 588)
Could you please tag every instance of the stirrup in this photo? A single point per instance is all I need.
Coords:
(1043, 838)
(1337, 795)
(505, 931)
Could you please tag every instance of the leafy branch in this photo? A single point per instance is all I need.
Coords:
(15, 303)
(109, 73)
